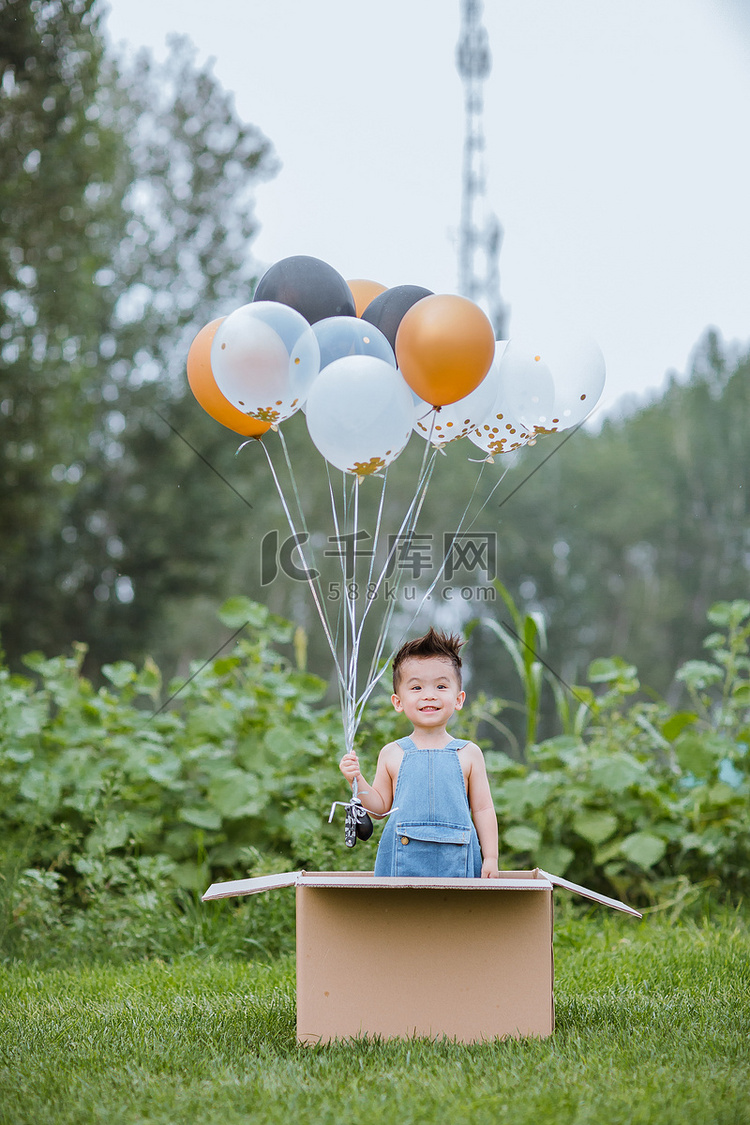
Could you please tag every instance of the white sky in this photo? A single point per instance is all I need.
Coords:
(617, 152)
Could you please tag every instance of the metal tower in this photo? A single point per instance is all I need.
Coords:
(480, 233)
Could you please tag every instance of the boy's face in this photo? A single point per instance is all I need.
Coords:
(428, 691)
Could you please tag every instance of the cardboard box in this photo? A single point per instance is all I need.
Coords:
(469, 959)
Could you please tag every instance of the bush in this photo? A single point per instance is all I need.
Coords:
(636, 797)
(111, 804)
(116, 813)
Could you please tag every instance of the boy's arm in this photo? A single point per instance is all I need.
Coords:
(483, 812)
(378, 797)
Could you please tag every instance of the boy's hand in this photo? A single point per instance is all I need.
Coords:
(349, 766)
(490, 869)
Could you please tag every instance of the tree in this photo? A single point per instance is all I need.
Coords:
(126, 207)
(60, 226)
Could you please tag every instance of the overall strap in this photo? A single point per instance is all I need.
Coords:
(457, 743)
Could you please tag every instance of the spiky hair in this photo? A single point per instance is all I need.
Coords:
(433, 643)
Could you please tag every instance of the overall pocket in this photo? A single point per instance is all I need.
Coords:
(438, 850)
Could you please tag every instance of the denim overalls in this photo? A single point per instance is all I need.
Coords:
(431, 833)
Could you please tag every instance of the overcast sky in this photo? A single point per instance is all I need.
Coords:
(617, 152)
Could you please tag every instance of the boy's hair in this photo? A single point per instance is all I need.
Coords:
(431, 644)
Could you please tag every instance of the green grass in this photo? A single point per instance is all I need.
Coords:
(653, 1025)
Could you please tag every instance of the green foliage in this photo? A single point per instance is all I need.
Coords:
(523, 643)
(723, 710)
(643, 800)
(235, 767)
(117, 812)
(126, 212)
(108, 803)
(62, 214)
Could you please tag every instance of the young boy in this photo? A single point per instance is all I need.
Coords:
(438, 784)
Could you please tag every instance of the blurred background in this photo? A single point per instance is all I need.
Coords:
(577, 167)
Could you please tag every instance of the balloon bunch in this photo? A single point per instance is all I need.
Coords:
(370, 365)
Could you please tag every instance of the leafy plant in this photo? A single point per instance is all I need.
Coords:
(116, 813)
(639, 797)
(523, 643)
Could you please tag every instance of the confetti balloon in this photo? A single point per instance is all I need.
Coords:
(579, 371)
(498, 431)
(443, 424)
(525, 387)
(265, 357)
(360, 414)
(203, 385)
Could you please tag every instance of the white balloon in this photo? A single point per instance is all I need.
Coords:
(579, 373)
(442, 424)
(525, 386)
(339, 336)
(504, 438)
(360, 414)
(497, 431)
(264, 358)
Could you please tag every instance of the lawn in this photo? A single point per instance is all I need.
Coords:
(653, 1025)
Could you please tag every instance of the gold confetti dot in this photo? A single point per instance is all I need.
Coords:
(363, 469)
(266, 414)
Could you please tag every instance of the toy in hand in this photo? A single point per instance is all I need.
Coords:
(357, 822)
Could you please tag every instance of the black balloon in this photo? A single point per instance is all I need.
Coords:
(308, 285)
(388, 310)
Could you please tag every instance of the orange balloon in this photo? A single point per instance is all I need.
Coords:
(203, 386)
(364, 291)
(444, 346)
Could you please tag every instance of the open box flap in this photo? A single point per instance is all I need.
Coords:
(557, 881)
(250, 886)
(509, 880)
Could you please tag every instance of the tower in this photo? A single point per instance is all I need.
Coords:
(480, 232)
